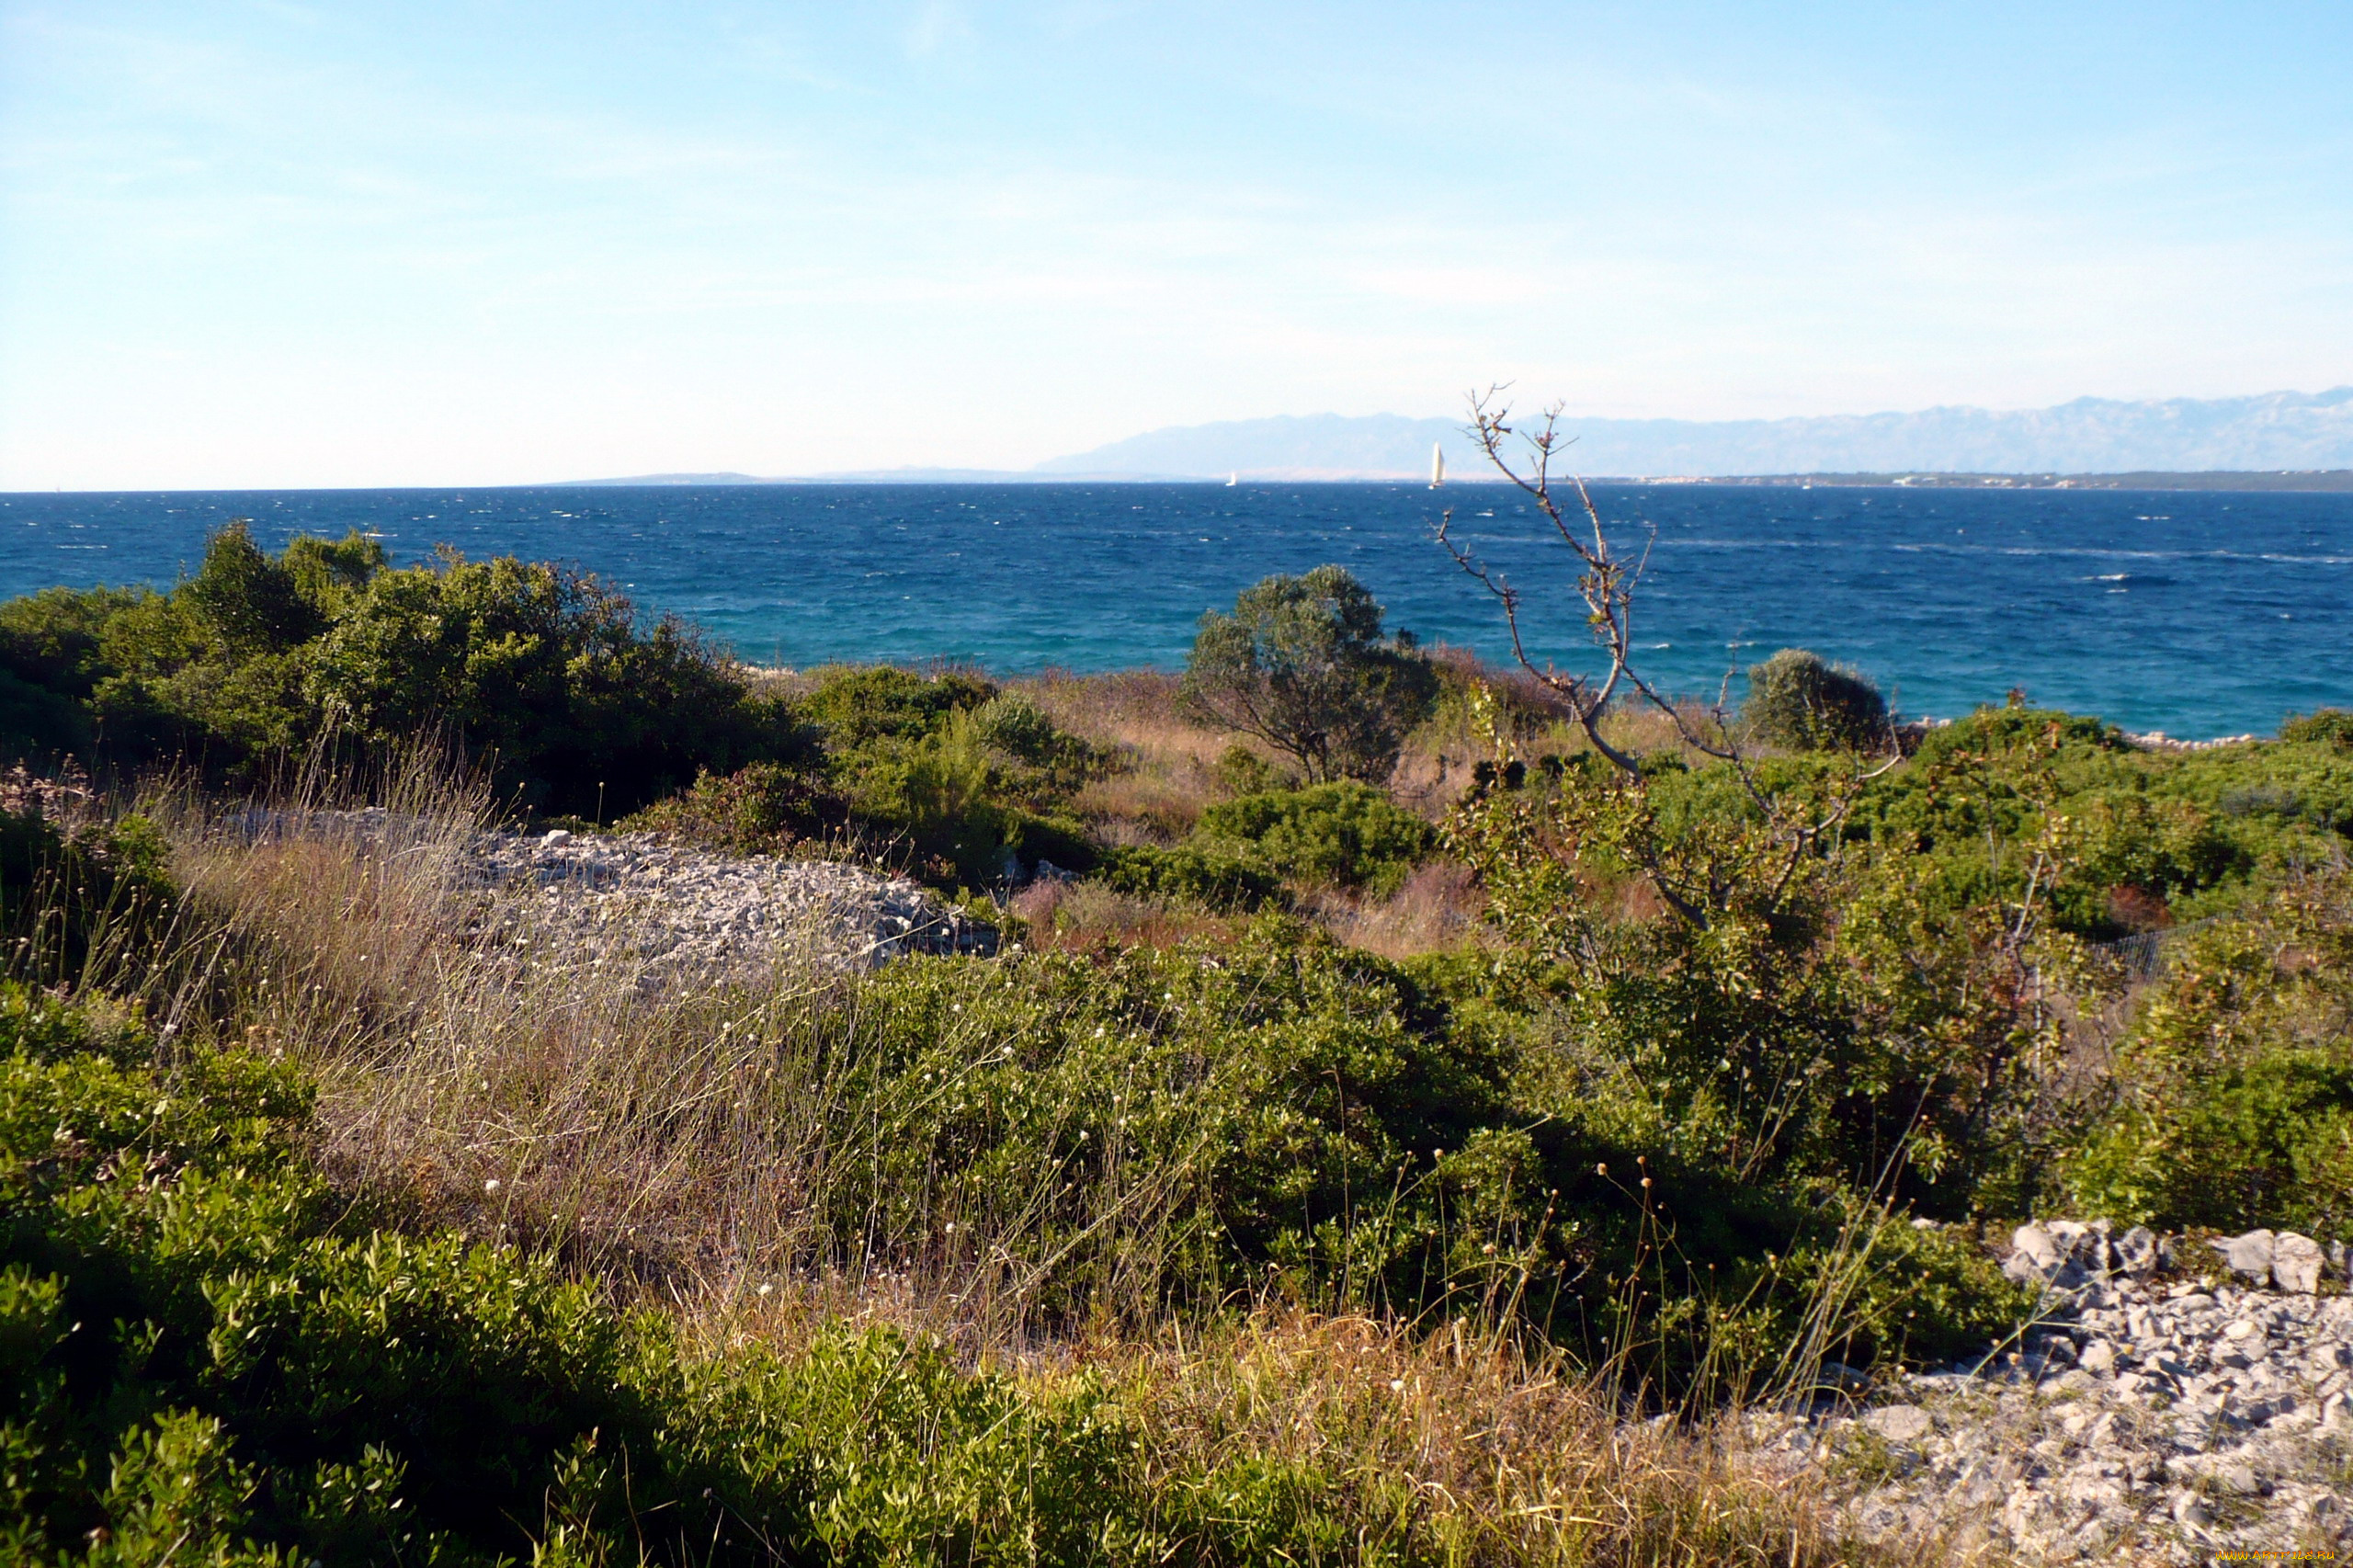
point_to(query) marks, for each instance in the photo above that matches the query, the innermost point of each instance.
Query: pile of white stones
(2137, 1421)
(679, 915)
(664, 915)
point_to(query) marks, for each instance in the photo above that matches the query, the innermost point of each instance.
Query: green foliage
(1241, 771)
(2231, 1099)
(2328, 726)
(1346, 833)
(1285, 1112)
(66, 900)
(245, 602)
(207, 1357)
(546, 673)
(1302, 664)
(764, 809)
(1223, 883)
(1798, 700)
(971, 781)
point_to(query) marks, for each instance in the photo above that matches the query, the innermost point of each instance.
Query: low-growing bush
(1346, 835)
(2230, 1102)
(2326, 726)
(1797, 700)
(765, 808)
(1186, 874)
(1167, 1126)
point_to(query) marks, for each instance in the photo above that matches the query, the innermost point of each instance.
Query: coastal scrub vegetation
(1400, 1072)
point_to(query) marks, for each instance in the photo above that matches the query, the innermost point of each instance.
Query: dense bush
(968, 782)
(1346, 835)
(1798, 700)
(207, 1357)
(765, 808)
(547, 674)
(1285, 1112)
(1302, 664)
(2230, 1102)
(2329, 726)
(1189, 875)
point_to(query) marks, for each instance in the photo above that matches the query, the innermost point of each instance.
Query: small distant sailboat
(1437, 466)
(1232, 479)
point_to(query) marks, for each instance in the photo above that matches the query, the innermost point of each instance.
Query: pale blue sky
(424, 242)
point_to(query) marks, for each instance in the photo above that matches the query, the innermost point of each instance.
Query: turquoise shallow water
(2196, 613)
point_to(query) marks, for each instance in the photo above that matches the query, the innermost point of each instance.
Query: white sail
(1232, 479)
(1437, 465)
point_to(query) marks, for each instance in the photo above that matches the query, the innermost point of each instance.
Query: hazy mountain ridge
(2273, 431)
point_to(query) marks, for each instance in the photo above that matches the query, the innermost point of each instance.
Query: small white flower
(766, 1289)
(491, 1185)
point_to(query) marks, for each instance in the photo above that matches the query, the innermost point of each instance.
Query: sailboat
(1232, 479)
(1437, 466)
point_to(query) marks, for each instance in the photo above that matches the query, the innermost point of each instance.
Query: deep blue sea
(2195, 613)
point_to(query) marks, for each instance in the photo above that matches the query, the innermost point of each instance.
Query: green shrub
(2231, 1099)
(1241, 771)
(544, 673)
(1187, 875)
(855, 706)
(207, 1357)
(765, 808)
(1170, 1127)
(968, 780)
(1796, 699)
(1345, 833)
(1302, 664)
(2325, 726)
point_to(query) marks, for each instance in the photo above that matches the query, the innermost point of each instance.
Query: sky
(265, 242)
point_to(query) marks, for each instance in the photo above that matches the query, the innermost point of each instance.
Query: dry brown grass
(1505, 1456)
(1078, 916)
(1473, 1447)
(1439, 908)
(1166, 768)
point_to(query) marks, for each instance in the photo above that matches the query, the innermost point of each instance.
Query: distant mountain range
(2277, 431)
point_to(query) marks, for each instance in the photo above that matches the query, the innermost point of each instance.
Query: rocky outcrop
(2138, 1421)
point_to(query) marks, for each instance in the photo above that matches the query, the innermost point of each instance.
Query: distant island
(2276, 441)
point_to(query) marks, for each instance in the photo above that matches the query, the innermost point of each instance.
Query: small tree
(1302, 666)
(1796, 699)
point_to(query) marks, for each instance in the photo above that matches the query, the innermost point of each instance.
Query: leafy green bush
(1302, 664)
(546, 673)
(205, 1357)
(969, 779)
(1188, 875)
(1796, 699)
(1280, 1110)
(1345, 833)
(2327, 726)
(2232, 1098)
(65, 901)
(765, 808)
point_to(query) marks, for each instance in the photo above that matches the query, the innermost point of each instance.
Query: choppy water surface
(2196, 613)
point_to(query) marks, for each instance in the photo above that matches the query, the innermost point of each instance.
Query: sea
(2196, 614)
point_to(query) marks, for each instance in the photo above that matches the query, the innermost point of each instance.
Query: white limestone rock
(2296, 1263)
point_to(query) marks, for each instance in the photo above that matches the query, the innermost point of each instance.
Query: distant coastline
(2327, 481)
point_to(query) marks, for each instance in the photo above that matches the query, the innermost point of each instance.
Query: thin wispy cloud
(371, 243)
